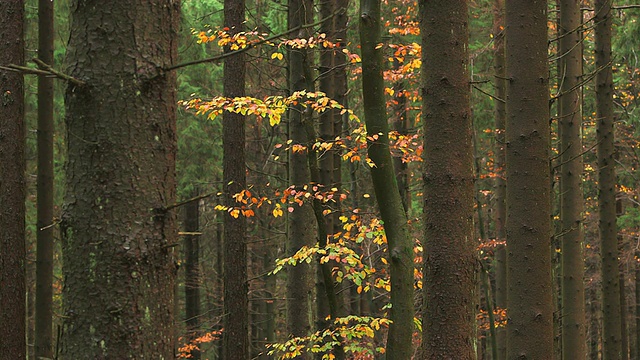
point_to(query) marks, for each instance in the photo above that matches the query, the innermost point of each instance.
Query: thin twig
(490, 95)
(196, 198)
(46, 67)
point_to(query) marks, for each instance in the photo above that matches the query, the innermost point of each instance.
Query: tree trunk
(44, 256)
(499, 170)
(399, 124)
(636, 335)
(623, 319)
(449, 244)
(236, 302)
(611, 335)
(301, 228)
(528, 226)
(329, 175)
(192, 272)
(400, 245)
(117, 242)
(571, 198)
(12, 185)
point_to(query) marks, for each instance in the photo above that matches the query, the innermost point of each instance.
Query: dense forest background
(269, 179)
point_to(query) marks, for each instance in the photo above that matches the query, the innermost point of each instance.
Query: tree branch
(249, 46)
(44, 70)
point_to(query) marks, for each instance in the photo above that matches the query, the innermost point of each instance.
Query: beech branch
(250, 46)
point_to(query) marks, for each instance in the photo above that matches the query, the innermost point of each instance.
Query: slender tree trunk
(636, 335)
(44, 257)
(117, 242)
(219, 280)
(594, 324)
(399, 124)
(270, 312)
(571, 198)
(400, 246)
(449, 243)
(623, 319)
(611, 334)
(528, 225)
(236, 303)
(499, 170)
(329, 165)
(301, 228)
(12, 186)
(192, 271)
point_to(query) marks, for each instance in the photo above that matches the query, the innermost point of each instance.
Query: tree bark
(44, 256)
(236, 301)
(573, 316)
(302, 230)
(500, 184)
(399, 242)
(117, 240)
(449, 244)
(528, 225)
(611, 334)
(12, 185)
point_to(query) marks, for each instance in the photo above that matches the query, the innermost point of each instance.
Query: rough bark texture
(528, 226)
(44, 257)
(302, 230)
(499, 169)
(611, 335)
(400, 245)
(573, 317)
(449, 244)
(117, 242)
(236, 303)
(192, 271)
(12, 185)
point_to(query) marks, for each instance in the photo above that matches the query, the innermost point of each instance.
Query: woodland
(328, 179)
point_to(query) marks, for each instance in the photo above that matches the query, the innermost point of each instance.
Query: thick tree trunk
(117, 244)
(528, 226)
(500, 184)
(611, 335)
(236, 302)
(192, 271)
(44, 257)
(449, 243)
(302, 230)
(12, 185)
(571, 198)
(400, 246)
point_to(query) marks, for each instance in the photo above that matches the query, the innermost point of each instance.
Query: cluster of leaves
(184, 351)
(499, 318)
(354, 333)
(271, 107)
